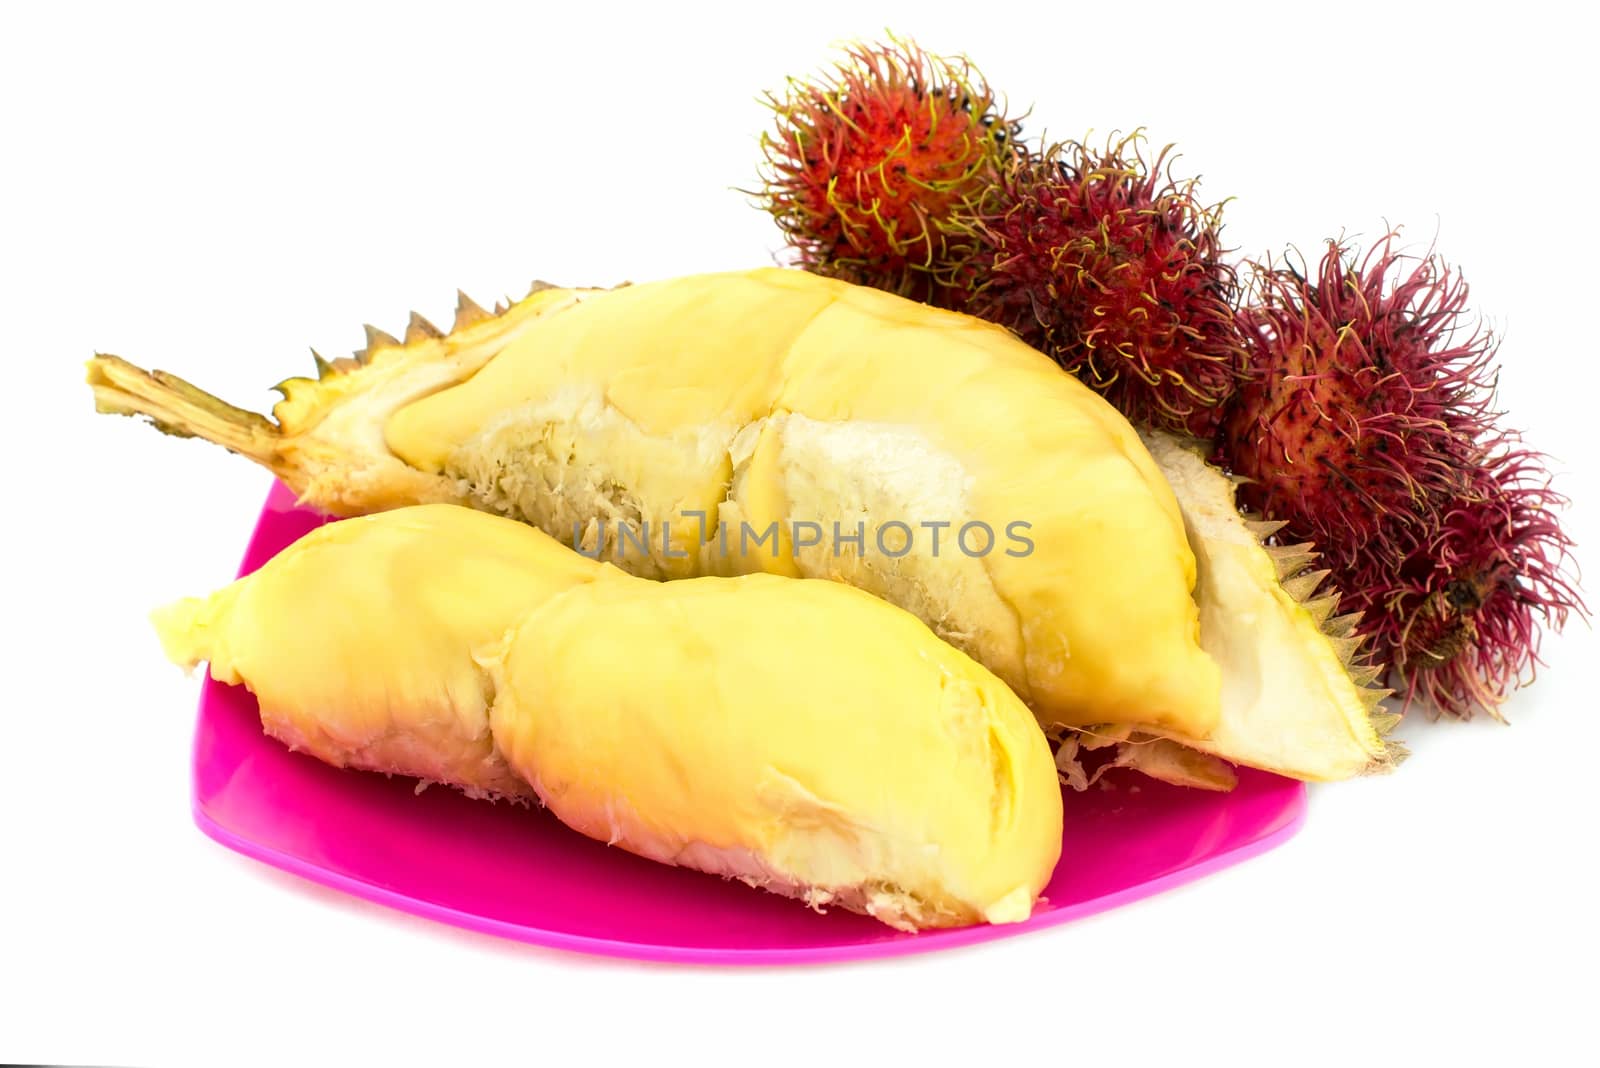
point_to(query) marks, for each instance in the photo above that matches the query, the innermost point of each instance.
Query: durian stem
(178, 408)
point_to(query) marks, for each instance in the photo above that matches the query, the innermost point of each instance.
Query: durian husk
(325, 439)
(1154, 757)
(1297, 693)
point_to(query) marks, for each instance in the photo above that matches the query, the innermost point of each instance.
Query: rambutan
(1115, 269)
(1368, 428)
(867, 164)
(1367, 400)
(1462, 625)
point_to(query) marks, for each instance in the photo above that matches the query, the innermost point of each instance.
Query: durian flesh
(802, 736)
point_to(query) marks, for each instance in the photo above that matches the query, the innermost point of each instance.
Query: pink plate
(518, 873)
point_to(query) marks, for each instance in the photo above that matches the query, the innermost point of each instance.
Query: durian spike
(1365, 675)
(377, 339)
(1322, 608)
(1262, 528)
(468, 312)
(1345, 647)
(1303, 585)
(1342, 626)
(419, 329)
(1385, 721)
(1290, 560)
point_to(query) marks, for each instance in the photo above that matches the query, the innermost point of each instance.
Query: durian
(801, 736)
(773, 401)
(778, 401)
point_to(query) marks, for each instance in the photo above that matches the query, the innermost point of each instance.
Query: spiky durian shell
(1104, 261)
(1298, 695)
(867, 163)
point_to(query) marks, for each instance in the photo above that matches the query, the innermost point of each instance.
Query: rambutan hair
(1463, 625)
(1369, 428)
(868, 162)
(1110, 265)
(1368, 395)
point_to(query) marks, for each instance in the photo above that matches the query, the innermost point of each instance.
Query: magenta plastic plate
(518, 873)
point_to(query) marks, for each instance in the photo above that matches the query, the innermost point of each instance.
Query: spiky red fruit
(1462, 626)
(1367, 400)
(867, 164)
(1368, 428)
(1116, 270)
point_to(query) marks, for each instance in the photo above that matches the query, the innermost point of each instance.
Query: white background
(213, 191)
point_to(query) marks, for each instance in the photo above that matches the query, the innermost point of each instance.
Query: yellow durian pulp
(802, 736)
(357, 640)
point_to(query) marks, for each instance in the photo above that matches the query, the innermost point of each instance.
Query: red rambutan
(1367, 398)
(867, 164)
(1115, 270)
(1462, 625)
(1368, 429)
